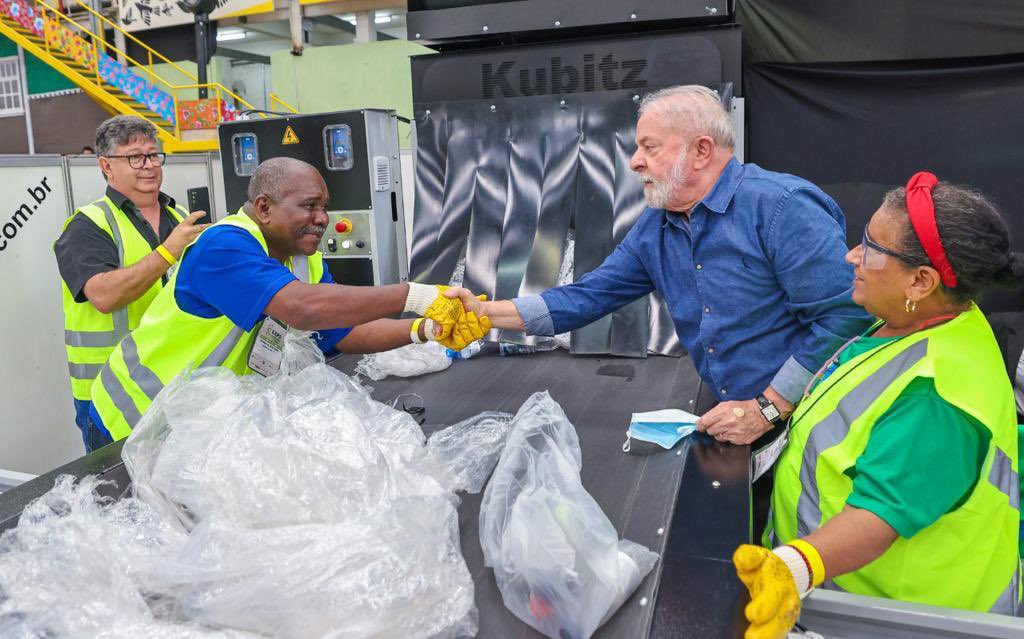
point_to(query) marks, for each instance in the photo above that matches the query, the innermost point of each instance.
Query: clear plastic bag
(468, 451)
(558, 561)
(78, 565)
(407, 361)
(288, 506)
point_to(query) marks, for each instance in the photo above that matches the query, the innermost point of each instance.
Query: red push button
(344, 226)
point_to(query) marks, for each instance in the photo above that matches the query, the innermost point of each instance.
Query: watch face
(770, 412)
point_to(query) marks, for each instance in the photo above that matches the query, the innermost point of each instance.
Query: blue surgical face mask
(662, 427)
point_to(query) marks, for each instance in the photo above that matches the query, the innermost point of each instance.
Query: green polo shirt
(922, 459)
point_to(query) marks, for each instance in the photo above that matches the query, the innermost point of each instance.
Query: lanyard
(821, 374)
(835, 356)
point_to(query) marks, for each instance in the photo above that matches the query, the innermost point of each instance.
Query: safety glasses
(873, 255)
(138, 160)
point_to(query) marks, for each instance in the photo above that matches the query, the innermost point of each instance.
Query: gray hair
(273, 178)
(974, 235)
(694, 109)
(120, 130)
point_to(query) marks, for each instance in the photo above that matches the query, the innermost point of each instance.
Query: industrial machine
(357, 154)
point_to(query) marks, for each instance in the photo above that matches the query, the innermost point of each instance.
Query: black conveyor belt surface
(665, 500)
(690, 504)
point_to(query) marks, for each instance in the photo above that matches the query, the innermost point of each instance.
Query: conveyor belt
(691, 505)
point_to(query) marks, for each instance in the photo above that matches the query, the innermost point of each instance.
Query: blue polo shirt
(755, 281)
(227, 273)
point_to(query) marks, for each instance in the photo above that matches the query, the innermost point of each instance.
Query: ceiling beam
(235, 54)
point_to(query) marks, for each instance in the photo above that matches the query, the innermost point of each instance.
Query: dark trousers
(92, 437)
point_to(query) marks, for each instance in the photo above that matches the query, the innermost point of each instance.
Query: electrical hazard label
(289, 136)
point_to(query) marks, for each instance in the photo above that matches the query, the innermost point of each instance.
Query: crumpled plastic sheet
(408, 361)
(79, 565)
(557, 559)
(291, 506)
(468, 451)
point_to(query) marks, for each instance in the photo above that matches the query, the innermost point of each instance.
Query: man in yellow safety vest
(114, 254)
(247, 277)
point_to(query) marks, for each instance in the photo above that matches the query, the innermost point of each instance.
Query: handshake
(450, 322)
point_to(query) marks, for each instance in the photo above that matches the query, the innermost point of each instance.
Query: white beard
(660, 193)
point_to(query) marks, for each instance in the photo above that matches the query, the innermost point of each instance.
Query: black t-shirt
(84, 249)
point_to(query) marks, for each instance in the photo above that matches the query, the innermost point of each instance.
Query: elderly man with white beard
(749, 262)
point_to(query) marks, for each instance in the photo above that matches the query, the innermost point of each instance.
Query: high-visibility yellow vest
(968, 558)
(170, 340)
(89, 335)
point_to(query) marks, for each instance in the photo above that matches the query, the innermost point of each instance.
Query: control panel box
(357, 154)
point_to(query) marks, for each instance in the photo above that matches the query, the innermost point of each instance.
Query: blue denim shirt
(755, 282)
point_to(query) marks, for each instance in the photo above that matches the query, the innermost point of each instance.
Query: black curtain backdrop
(797, 31)
(858, 129)
(857, 96)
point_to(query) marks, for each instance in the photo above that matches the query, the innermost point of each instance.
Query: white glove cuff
(420, 297)
(797, 567)
(429, 326)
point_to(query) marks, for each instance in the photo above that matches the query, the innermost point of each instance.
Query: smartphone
(199, 200)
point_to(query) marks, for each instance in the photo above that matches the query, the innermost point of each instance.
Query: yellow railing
(98, 43)
(276, 100)
(150, 52)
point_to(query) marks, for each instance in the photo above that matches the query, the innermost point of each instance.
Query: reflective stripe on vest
(120, 316)
(170, 340)
(88, 347)
(835, 427)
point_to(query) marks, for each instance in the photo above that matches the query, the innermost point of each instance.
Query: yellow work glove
(467, 330)
(774, 601)
(427, 300)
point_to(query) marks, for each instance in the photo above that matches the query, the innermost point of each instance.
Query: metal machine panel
(439, 20)
(504, 168)
(356, 152)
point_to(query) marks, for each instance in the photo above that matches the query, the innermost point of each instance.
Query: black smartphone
(199, 200)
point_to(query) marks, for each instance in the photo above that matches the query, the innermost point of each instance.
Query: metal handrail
(96, 39)
(217, 86)
(150, 50)
(173, 88)
(273, 98)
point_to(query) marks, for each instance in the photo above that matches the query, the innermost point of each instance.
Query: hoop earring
(910, 306)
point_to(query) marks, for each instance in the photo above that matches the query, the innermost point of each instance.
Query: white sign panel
(139, 15)
(37, 417)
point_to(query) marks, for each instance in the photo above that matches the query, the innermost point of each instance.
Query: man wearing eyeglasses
(114, 254)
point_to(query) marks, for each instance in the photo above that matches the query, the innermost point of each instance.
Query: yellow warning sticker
(289, 136)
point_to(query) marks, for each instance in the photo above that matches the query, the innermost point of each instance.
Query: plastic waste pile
(291, 506)
(408, 361)
(557, 559)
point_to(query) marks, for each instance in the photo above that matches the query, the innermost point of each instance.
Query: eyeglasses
(873, 255)
(138, 160)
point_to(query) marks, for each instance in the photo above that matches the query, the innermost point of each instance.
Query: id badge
(765, 458)
(267, 350)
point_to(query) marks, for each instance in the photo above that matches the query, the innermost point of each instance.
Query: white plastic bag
(468, 451)
(557, 559)
(407, 361)
(288, 506)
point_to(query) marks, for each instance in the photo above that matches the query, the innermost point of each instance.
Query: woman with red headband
(900, 476)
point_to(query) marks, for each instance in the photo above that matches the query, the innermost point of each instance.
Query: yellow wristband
(415, 332)
(814, 558)
(164, 253)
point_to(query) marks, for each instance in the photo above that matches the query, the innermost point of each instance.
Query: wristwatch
(769, 410)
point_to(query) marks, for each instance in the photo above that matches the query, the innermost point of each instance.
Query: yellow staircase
(74, 51)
